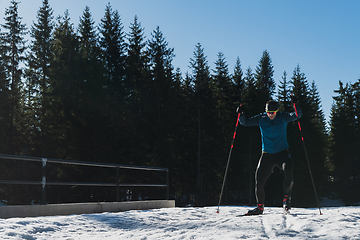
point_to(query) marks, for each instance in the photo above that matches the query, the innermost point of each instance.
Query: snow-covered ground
(191, 223)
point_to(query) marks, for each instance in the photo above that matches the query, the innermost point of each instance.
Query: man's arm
(243, 120)
(253, 121)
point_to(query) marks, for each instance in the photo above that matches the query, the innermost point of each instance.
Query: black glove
(293, 99)
(240, 109)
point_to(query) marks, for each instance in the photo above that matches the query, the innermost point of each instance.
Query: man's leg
(263, 172)
(288, 183)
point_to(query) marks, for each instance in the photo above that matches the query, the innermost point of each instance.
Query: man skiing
(275, 150)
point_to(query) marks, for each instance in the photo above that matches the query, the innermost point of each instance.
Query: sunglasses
(272, 112)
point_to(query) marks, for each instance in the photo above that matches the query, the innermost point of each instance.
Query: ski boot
(256, 211)
(287, 204)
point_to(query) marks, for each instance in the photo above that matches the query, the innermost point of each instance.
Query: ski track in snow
(190, 223)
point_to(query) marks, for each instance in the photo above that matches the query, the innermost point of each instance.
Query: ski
(243, 215)
(285, 212)
(247, 214)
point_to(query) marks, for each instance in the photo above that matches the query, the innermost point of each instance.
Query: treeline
(345, 142)
(94, 92)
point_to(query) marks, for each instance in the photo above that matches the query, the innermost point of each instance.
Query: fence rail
(117, 184)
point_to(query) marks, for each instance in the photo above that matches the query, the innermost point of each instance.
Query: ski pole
(307, 159)
(227, 165)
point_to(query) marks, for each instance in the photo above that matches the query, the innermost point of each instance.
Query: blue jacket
(273, 132)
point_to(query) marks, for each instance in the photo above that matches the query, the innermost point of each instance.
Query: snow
(191, 223)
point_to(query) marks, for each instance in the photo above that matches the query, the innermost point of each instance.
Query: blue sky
(322, 36)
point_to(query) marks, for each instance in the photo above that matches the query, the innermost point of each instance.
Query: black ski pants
(267, 162)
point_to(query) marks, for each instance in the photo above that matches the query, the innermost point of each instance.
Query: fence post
(117, 184)
(43, 193)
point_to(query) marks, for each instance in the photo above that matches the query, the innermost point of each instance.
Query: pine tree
(186, 164)
(88, 36)
(65, 89)
(312, 126)
(300, 89)
(356, 161)
(223, 94)
(344, 144)
(115, 92)
(94, 127)
(137, 64)
(284, 94)
(318, 114)
(38, 69)
(250, 93)
(319, 138)
(162, 91)
(13, 50)
(203, 104)
(264, 79)
(251, 148)
(4, 97)
(238, 80)
(181, 140)
(31, 109)
(235, 182)
(113, 46)
(138, 81)
(356, 91)
(14, 106)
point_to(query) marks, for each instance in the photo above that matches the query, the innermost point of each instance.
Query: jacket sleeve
(253, 121)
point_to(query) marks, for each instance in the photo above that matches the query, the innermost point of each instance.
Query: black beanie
(272, 106)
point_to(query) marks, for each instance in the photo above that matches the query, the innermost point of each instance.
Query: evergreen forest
(93, 92)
